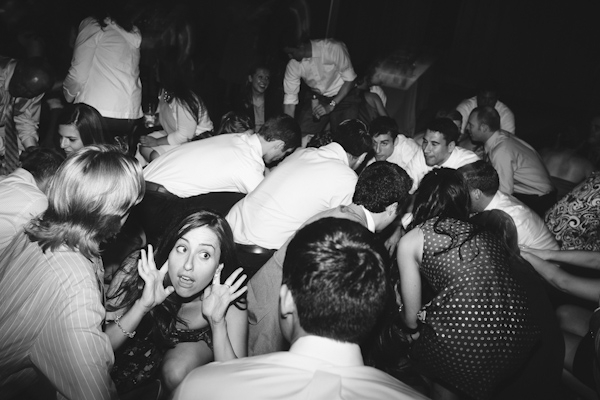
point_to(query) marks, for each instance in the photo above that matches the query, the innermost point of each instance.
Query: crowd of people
(300, 247)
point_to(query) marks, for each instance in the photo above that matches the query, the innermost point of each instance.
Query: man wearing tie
(22, 86)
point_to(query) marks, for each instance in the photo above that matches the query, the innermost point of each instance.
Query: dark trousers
(158, 211)
(347, 109)
(128, 130)
(539, 204)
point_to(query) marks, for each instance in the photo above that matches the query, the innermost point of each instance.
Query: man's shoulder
(461, 157)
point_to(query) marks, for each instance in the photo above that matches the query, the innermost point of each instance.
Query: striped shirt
(51, 316)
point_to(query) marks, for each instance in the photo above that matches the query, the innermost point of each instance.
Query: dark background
(544, 54)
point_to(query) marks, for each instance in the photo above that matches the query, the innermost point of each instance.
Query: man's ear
(250, 78)
(360, 159)
(286, 301)
(451, 146)
(476, 194)
(392, 209)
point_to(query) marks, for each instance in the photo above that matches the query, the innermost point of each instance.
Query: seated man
(389, 145)
(381, 193)
(439, 150)
(487, 96)
(23, 192)
(333, 293)
(483, 182)
(309, 181)
(325, 66)
(212, 173)
(520, 168)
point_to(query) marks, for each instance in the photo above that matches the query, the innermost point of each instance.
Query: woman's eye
(181, 249)
(204, 255)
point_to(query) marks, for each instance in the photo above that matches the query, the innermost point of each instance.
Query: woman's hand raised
(217, 297)
(154, 291)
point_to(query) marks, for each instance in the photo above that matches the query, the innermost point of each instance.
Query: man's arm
(502, 161)
(73, 352)
(291, 87)
(83, 57)
(27, 117)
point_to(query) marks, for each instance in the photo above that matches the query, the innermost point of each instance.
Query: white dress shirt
(417, 168)
(531, 230)
(325, 72)
(507, 118)
(105, 70)
(225, 163)
(520, 168)
(313, 368)
(21, 201)
(307, 182)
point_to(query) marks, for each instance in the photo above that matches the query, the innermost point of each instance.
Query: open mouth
(185, 281)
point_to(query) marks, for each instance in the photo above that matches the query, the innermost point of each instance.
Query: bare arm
(580, 258)
(585, 288)
(410, 253)
(289, 109)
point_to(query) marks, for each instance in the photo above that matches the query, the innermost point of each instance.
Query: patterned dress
(575, 219)
(477, 329)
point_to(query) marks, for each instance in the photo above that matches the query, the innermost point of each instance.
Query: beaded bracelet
(130, 335)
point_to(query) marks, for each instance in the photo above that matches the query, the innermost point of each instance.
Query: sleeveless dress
(477, 330)
(139, 359)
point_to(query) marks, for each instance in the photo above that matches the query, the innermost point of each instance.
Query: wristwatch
(332, 103)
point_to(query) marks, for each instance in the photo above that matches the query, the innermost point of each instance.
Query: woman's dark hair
(87, 120)
(165, 315)
(178, 87)
(443, 194)
(120, 12)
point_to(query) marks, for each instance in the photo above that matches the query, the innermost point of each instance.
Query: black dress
(478, 328)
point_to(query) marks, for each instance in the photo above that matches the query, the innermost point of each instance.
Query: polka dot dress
(478, 329)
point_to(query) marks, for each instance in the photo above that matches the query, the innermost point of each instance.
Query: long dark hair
(173, 81)
(443, 194)
(165, 315)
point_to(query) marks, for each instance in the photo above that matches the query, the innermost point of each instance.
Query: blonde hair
(88, 198)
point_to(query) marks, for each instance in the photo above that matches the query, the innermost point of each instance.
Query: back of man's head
(446, 127)
(335, 271)
(42, 164)
(32, 77)
(488, 116)
(384, 125)
(381, 184)
(284, 128)
(481, 175)
(353, 136)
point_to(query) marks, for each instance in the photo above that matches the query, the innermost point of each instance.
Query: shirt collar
(494, 203)
(491, 142)
(370, 220)
(329, 350)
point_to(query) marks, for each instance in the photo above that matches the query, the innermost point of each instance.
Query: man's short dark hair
(382, 126)
(489, 116)
(446, 127)
(381, 184)
(335, 270)
(42, 163)
(481, 175)
(353, 136)
(282, 127)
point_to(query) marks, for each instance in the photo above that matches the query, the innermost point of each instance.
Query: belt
(253, 249)
(155, 187)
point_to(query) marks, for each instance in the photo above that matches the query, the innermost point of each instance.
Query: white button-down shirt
(531, 230)
(314, 368)
(307, 182)
(325, 72)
